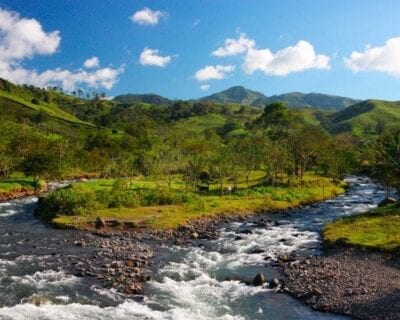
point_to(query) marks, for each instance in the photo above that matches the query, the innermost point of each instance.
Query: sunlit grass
(246, 202)
(378, 229)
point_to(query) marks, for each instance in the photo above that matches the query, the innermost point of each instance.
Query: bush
(81, 199)
(69, 201)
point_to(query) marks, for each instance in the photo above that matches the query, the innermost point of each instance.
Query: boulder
(100, 223)
(258, 280)
(274, 283)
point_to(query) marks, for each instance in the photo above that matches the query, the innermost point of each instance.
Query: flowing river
(190, 282)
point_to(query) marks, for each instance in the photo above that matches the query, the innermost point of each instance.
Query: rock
(246, 231)
(256, 251)
(258, 280)
(100, 223)
(274, 283)
(194, 235)
(283, 258)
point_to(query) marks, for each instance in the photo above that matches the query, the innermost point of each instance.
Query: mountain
(316, 100)
(367, 117)
(237, 94)
(241, 95)
(144, 98)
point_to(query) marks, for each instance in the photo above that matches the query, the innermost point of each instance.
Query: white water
(193, 284)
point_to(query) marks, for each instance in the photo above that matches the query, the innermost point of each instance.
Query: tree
(221, 166)
(386, 159)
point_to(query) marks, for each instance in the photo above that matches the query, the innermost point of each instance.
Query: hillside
(144, 98)
(367, 117)
(245, 96)
(237, 94)
(42, 101)
(317, 100)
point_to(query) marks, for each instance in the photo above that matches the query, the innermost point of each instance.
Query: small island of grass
(146, 203)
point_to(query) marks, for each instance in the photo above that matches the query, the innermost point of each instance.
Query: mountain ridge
(244, 96)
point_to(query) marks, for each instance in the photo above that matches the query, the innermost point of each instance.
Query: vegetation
(377, 229)
(162, 162)
(152, 203)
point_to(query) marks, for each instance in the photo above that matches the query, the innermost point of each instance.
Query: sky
(186, 49)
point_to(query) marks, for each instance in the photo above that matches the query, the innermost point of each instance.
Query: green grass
(50, 109)
(377, 229)
(198, 124)
(160, 217)
(365, 117)
(7, 186)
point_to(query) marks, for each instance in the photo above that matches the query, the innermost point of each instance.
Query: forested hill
(65, 134)
(245, 96)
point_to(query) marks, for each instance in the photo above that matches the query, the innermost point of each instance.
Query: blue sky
(178, 49)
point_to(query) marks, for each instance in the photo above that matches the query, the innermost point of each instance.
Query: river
(189, 283)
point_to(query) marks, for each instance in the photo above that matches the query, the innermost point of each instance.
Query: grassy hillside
(367, 117)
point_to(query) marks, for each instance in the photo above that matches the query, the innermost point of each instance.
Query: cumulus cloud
(22, 39)
(299, 57)
(214, 72)
(92, 62)
(234, 47)
(383, 59)
(69, 80)
(151, 57)
(148, 17)
(205, 87)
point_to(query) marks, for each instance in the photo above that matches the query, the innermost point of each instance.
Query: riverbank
(18, 188)
(351, 281)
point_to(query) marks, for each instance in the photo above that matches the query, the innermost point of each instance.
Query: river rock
(258, 280)
(274, 283)
(100, 223)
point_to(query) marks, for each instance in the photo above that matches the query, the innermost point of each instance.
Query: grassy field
(11, 185)
(149, 203)
(377, 229)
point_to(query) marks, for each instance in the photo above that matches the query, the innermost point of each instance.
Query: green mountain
(367, 117)
(237, 94)
(316, 100)
(245, 96)
(150, 98)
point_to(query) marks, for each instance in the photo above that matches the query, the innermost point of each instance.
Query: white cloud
(234, 47)
(214, 72)
(92, 62)
(22, 39)
(151, 57)
(148, 17)
(205, 87)
(295, 58)
(69, 80)
(384, 59)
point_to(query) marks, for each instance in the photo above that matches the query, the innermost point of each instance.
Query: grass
(377, 229)
(8, 186)
(51, 109)
(172, 215)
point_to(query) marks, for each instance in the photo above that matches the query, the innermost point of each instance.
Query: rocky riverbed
(363, 284)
